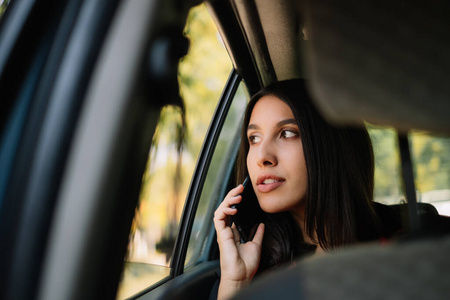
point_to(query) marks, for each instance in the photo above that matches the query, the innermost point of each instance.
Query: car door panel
(195, 283)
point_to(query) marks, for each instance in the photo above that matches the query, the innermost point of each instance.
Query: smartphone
(249, 214)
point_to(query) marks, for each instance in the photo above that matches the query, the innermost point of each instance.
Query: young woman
(314, 182)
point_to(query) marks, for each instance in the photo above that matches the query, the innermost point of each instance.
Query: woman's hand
(238, 261)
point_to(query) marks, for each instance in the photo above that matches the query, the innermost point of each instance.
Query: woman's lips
(268, 183)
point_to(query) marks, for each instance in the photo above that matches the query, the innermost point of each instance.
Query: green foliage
(387, 163)
(202, 75)
(430, 157)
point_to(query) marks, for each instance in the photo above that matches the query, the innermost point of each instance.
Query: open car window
(172, 160)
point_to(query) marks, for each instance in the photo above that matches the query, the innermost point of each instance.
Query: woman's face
(275, 159)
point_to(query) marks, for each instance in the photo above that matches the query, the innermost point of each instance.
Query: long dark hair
(340, 166)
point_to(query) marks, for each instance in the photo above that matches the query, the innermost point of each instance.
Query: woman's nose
(267, 154)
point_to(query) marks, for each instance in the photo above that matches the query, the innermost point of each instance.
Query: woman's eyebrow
(253, 127)
(287, 122)
(279, 124)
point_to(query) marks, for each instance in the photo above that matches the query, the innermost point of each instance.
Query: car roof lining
(273, 34)
(382, 61)
(371, 61)
(282, 29)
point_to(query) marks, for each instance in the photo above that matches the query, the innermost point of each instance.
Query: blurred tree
(202, 75)
(431, 157)
(387, 164)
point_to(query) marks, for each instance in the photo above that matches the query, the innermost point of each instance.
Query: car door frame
(73, 236)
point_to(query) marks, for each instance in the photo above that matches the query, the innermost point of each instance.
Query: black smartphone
(249, 213)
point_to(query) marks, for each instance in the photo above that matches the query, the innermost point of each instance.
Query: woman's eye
(288, 134)
(254, 139)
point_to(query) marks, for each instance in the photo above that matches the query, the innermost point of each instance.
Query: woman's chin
(270, 209)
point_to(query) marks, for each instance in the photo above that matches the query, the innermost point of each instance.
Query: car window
(430, 156)
(431, 162)
(3, 6)
(388, 188)
(202, 75)
(215, 186)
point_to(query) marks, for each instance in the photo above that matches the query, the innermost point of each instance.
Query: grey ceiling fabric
(386, 62)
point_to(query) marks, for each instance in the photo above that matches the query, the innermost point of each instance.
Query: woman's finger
(235, 191)
(226, 208)
(233, 196)
(230, 201)
(222, 215)
(259, 235)
(223, 212)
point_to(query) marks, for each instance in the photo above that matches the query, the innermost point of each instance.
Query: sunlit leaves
(430, 157)
(202, 75)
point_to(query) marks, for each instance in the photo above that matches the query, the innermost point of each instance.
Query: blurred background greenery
(431, 164)
(202, 75)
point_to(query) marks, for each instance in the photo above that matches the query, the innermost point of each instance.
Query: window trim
(201, 170)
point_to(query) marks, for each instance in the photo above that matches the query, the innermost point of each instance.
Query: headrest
(383, 61)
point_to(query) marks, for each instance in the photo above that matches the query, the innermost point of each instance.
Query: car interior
(86, 84)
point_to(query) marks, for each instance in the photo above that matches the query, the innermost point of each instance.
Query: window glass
(431, 161)
(202, 75)
(3, 5)
(430, 156)
(215, 187)
(388, 182)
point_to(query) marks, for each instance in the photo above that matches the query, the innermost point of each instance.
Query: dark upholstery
(406, 270)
